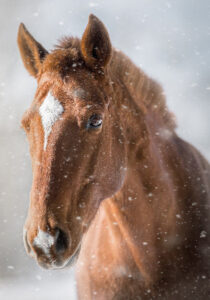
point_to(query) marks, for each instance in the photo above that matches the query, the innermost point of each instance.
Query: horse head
(76, 141)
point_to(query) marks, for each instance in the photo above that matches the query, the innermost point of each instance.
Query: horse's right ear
(31, 51)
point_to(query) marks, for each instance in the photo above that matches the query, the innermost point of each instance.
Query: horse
(115, 189)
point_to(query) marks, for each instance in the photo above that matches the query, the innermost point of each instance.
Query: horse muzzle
(51, 250)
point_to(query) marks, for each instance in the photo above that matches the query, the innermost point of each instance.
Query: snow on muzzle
(49, 249)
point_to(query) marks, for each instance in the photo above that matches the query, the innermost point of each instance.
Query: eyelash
(94, 122)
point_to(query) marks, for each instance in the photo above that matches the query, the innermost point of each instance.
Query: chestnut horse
(113, 184)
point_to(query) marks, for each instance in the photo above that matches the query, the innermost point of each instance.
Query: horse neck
(145, 206)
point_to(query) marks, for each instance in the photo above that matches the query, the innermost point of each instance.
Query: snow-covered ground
(169, 39)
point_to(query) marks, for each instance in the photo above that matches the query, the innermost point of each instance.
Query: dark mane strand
(67, 42)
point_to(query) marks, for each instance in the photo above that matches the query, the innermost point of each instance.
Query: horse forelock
(63, 62)
(68, 42)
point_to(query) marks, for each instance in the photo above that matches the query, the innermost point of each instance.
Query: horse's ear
(31, 51)
(95, 45)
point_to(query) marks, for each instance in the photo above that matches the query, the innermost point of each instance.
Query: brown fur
(31, 51)
(141, 193)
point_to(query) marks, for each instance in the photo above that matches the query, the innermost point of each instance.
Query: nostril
(61, 243)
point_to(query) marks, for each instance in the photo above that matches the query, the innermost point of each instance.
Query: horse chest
(106, 266)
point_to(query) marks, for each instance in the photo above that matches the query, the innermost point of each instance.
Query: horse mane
(143, 89)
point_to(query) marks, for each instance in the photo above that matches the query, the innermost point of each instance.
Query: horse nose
(61, 241)
(57, 242)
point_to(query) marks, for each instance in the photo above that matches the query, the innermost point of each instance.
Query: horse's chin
(60, 264)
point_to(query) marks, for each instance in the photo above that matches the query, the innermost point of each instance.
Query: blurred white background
(170, 40)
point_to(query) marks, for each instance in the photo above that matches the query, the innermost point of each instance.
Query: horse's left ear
(32, 52)
(95, 45)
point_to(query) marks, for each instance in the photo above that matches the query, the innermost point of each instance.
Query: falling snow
(172, 49)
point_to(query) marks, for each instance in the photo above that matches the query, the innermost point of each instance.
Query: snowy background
(170, 40)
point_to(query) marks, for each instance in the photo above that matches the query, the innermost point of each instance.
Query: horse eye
(95, 121)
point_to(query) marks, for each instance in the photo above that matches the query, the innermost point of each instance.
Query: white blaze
(50, 111)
